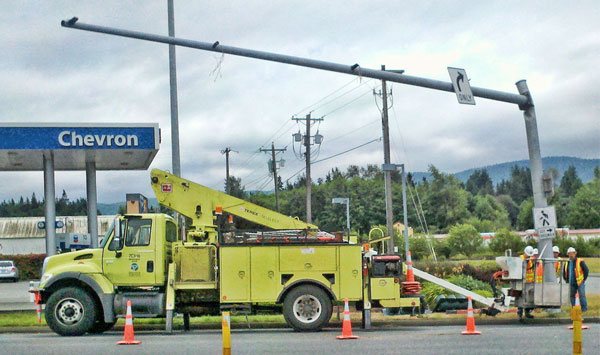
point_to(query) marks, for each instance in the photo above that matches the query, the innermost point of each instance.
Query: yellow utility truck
(145, 258)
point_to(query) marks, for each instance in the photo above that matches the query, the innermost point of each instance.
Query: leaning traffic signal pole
(523, 99)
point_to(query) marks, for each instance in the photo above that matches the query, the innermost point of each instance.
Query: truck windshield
(107, 235)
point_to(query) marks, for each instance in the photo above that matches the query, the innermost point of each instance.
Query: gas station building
(68, 147)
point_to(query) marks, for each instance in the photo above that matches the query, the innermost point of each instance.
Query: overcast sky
(53, 74)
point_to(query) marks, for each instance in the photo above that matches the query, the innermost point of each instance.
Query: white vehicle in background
(8, 270)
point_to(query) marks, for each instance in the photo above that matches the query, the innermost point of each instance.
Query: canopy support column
(92, 202)
(49, 203)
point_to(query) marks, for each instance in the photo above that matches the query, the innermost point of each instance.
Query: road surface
(515, 339)
(14, 296)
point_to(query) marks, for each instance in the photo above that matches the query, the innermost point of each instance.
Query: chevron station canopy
(67, 146)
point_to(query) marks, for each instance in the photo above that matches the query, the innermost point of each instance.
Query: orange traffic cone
(470, 320)
(577, 304)
(38, 306)
(410, 286)
(346, 324)
(128, 336)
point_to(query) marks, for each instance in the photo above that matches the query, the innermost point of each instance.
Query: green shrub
(30, 265)
(505, 239)
(442, 269)
(464, 239)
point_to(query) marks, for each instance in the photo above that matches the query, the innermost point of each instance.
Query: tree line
(32, 207)
(442, 200)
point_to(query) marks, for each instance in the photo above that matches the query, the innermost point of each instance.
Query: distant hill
(499, 172)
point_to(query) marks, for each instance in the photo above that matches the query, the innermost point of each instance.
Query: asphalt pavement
(515, 339)
(14, 296)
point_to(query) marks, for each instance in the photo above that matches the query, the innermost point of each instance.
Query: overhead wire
(333, 156)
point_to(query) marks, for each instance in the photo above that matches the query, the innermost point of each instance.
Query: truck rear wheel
(307, 308)
(71, 311)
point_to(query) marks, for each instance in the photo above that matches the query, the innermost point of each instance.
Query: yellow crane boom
(199, 203)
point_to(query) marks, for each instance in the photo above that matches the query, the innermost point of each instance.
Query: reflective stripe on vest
(578, 272)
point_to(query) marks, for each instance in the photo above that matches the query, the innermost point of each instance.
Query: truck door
(130, 259)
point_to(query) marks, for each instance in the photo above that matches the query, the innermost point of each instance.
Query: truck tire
(101, 327)
(307, 308)
(71, 311)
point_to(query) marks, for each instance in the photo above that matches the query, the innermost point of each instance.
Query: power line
(348, 150)
(347, 103)
(326, 96)
(333, 156)
(352, 131)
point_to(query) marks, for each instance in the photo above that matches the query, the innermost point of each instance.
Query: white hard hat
(529, 250)
(536, 251)
(555, 249)
(571, 250)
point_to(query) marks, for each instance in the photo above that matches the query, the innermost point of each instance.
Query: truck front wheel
(71, 311)
(307, 308)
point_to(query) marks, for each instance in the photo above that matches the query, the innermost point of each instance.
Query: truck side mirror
(117, 243)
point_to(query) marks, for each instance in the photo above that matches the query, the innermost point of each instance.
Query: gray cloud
(55, 74)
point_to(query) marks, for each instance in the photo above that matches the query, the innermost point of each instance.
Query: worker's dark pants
(581, 289)
(520, 311)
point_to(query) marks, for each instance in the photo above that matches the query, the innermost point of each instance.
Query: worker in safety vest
(527, 258)
(576, 273)
(556, 252)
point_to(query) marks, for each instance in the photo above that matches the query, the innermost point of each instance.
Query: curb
(377, 325)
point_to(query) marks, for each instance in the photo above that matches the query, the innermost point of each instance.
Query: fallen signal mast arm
(454, 288)
(199, 203)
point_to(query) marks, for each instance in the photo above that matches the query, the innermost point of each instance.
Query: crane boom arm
(198, 202)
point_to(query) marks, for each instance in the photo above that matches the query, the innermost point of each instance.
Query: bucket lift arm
(199, 202)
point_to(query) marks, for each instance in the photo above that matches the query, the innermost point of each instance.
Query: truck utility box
(262, 273)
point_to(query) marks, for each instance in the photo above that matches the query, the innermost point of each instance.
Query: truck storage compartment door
(350, 280)
(264, 270)
(235, 274)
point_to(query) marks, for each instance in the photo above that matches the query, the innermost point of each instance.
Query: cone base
(583, 327)
(129, 342)
(345, 337)
(472, 332)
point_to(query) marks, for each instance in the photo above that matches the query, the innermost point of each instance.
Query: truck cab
(85, 290)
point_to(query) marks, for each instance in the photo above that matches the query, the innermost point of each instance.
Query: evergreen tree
(480, 183)
(570, 182)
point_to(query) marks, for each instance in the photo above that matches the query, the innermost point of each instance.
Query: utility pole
(387, 173)
(175, 159)
(273, 168)
(226, 151)
(306, 139)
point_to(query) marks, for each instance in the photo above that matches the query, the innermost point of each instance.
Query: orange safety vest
(557, 266)
(529, 276)
(578, 271)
